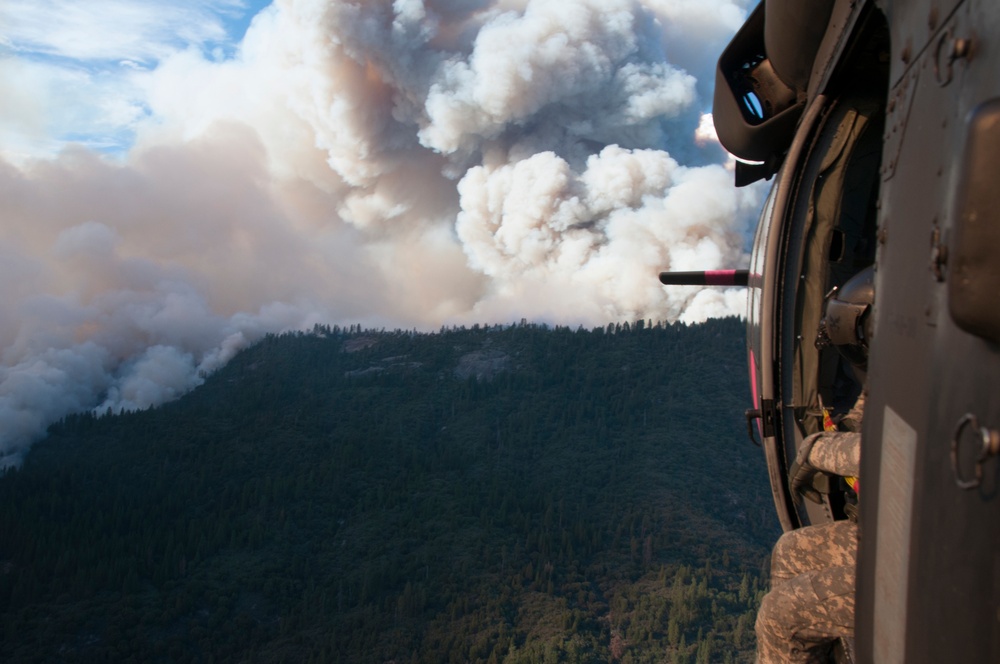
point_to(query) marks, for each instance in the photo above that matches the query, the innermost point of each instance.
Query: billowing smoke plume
(410, 163)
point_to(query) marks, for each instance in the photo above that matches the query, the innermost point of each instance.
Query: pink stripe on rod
(720, 277)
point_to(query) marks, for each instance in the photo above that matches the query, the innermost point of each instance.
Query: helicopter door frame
(764, 283)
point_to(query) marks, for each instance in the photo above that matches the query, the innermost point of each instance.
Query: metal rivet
(960, 48)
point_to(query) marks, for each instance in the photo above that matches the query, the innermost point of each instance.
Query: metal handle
(990, 447)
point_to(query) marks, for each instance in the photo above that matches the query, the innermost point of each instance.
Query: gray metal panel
(892, 538)
(914, 25)
(923, 367)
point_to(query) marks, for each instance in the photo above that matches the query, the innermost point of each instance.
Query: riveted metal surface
(974, 290)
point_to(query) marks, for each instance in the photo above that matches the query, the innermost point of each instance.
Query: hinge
(768, 416)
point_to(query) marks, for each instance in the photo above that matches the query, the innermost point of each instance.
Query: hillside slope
(515, 494)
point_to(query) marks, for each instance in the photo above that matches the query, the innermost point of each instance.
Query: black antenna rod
(706, 278)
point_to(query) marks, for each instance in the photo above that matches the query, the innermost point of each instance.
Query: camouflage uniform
(835, 452)
(811, 602)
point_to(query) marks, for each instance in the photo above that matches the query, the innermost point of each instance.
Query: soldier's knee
(782, 555)
(783, 546)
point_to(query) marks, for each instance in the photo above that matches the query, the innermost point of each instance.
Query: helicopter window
(752, 106)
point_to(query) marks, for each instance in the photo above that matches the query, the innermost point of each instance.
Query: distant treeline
(495, 494)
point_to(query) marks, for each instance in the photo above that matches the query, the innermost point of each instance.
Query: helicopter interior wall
(831, 237)
(838, 244)
(833, 240)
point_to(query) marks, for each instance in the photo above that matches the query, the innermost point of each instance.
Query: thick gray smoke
(410, 163)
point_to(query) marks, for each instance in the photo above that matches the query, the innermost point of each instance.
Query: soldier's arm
(836, 452)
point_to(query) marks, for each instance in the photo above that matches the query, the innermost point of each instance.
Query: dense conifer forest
(494, 494)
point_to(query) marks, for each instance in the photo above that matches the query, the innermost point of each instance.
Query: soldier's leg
(813, 547)
(811, 601)
(799, 619)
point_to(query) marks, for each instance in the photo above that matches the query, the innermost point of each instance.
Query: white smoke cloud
(603, 233)
(589, 70)
(410, 163)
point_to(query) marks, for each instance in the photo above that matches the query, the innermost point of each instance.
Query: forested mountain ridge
(501, 494)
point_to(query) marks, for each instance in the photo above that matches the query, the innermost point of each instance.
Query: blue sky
(74, 71)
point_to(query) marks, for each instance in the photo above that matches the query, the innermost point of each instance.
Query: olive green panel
(974, 288)
(835, 203)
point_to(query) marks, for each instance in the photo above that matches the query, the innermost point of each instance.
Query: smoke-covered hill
(404, 163)
(517, 494)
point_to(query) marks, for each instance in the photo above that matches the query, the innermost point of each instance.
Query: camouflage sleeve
(837, 452)
(811, 601)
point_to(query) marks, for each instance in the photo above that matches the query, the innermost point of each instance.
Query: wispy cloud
(72, 72)
(112, 30)
(48, 105)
